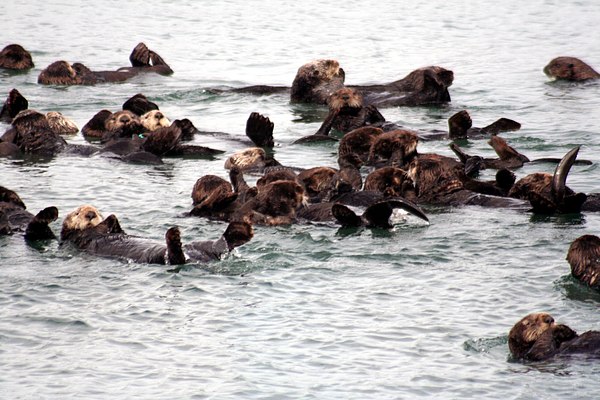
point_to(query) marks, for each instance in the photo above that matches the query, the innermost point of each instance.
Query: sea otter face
(61, 124)
(154, 119)
(570, 68)
(398, 143)
(281, 198)
(121, 120)
(316, 81)
(15, 57)
(525, 332)
(345, 98)
(81, 218)
(253, 157)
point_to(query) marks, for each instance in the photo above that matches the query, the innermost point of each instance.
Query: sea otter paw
(140, 56)
(260, 130)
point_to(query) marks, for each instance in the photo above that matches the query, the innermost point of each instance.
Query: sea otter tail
(38, 228)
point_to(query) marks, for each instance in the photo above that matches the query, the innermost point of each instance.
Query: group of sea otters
(397, 175)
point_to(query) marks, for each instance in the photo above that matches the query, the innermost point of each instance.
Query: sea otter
(14, 218)
(142, 60)
(536, 337)
(346, 113)
(394, 148)
(15, 57)
(570, 69)
(32, 133)
(154, 119)
(316, 80)
(460, 126)
(87, 230)
(583, 257)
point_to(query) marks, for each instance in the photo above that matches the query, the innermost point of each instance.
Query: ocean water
(301, 311)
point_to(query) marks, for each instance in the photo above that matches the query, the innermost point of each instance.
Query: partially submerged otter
(15, 57)
(536, 337)
(315, 81)
(584, 258)
(87, 230)
(14, 217)
(570, 69)
(142, 60)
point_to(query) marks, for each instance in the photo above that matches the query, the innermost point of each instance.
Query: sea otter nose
(90, 215)
(346, 97)
(125, 120)
(158, 116)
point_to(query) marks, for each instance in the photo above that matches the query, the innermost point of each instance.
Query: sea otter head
(397, 146)
(61, 124)
(524, 333)
(210, 190)
(316, 81)
(154, 119)
(281, 198)
(123, 121)
(570, 68)
(583, 256)
(81, 218)
(345, 98)
(15, 57)
(62, 73)
(9, 196)
(253, 157)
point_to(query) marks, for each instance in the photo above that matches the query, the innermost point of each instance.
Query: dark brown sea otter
(15, 57)
(536, 337)
(85, 229)
(142, 60)
(14, 218)
(584, 258)
(570, 69)
(315, 81)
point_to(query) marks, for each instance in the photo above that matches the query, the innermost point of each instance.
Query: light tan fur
(154, 119)
(82, 217)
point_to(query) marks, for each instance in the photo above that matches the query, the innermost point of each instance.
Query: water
(301, 311)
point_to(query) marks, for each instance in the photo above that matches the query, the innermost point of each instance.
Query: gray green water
(301, 311)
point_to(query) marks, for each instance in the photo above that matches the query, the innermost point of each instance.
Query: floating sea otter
(86, 230)
(536, 337)
(142, 60)
(15, 57)
(570, 69)
(14, 218)
(315, 81)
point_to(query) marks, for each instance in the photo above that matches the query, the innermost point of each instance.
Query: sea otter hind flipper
(238, 233)
(315, 139)
(14, 103)
(259, 129)
(409, 207)
(346, 216)
(559, 179)
(139, 105)
(501, 125)
(140, 56)
(38, 228)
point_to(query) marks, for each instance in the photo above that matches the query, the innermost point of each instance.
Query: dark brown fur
(394, 148)
(570, 69)
(584, 258)
(15, 57)
(142, 60)
(14, 103)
